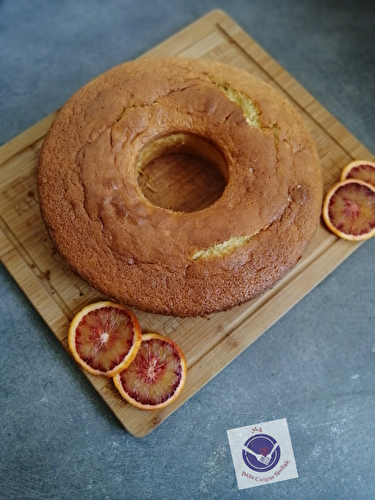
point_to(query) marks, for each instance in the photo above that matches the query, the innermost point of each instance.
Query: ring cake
(156, 259)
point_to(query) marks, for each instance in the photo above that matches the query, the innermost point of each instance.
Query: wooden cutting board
(208, 343)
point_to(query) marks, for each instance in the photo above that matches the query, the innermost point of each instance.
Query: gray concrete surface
(315, 367)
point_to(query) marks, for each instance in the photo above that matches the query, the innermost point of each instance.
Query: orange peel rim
(140, 406)
(325, 211)
(137, 338)
(353, 164)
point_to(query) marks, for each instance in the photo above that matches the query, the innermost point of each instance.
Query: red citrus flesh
(361, 170)
(104, 338)
(156, 376)
(349, 210)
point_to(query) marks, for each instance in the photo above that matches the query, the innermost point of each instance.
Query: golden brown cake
(155, 259)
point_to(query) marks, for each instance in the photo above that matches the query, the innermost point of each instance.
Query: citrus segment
(156, 376)
(104, 338)
(361, 170)
(349, 210)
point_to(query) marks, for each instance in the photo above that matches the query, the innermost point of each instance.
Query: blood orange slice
(156, 376)
(104, 338)
(361, 170)
(349, 210)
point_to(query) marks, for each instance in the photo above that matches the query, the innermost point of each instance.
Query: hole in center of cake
(182, 172)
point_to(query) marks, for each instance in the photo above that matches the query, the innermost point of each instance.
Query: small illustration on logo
(261, 453)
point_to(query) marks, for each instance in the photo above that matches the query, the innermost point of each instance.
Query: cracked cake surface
(155, 259)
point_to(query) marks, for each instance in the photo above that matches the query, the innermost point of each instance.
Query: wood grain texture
(208, 343)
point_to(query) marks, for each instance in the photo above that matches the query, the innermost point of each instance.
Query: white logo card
(262, 453)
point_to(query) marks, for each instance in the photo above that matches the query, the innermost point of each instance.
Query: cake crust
(158, 260)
